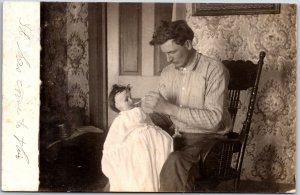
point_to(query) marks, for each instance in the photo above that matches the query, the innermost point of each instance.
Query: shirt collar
(191, 66)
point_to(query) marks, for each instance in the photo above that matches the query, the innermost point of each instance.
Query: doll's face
(123, 100)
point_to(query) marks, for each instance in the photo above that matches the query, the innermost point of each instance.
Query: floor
(249, 186)
(245, 187)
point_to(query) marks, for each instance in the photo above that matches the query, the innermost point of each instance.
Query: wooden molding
(130, 39)
(97, 64)
(220, 9)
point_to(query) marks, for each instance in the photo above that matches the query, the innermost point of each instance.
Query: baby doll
(135, 149)
(120, 98)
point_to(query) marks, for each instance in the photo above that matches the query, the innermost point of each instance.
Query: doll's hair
(115, 90)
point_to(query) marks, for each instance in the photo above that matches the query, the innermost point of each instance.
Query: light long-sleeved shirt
(200, 92)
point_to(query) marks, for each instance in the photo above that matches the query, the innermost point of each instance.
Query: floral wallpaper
(270, 154)
(64, 64)
(77, 55)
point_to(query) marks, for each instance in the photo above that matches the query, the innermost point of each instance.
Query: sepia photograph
(162, 97)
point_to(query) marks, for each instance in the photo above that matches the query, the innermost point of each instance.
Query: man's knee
(171, 163)
(177, 164)
(175, 172)
(174, 158)
(176, 155)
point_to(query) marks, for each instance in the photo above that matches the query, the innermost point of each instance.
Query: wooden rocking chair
(244, 75)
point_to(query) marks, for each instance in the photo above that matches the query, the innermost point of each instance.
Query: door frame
(97, 31)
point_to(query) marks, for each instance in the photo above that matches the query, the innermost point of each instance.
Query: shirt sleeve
(210, 116)
(162, 88)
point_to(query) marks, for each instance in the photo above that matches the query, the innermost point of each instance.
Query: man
(193, 92)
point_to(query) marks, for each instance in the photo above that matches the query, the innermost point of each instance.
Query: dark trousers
(182, 166)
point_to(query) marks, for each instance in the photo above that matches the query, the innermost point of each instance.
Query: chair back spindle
(246, 126)
(244, 75)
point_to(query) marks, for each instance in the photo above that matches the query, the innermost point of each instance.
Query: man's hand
(155, 102)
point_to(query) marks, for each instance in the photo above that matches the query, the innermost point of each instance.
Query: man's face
(123, 100)
(176, 54)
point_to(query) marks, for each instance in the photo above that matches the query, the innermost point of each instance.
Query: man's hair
(115, 90)
(177, 30)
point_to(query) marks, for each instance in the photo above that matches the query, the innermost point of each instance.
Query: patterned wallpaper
(64, 65)
(77, 55)
(270, 154)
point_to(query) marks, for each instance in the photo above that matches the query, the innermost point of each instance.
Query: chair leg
(236, 184)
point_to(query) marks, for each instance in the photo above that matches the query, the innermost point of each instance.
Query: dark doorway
(72, 135)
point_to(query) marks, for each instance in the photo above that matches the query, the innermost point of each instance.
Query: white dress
(134, 152)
